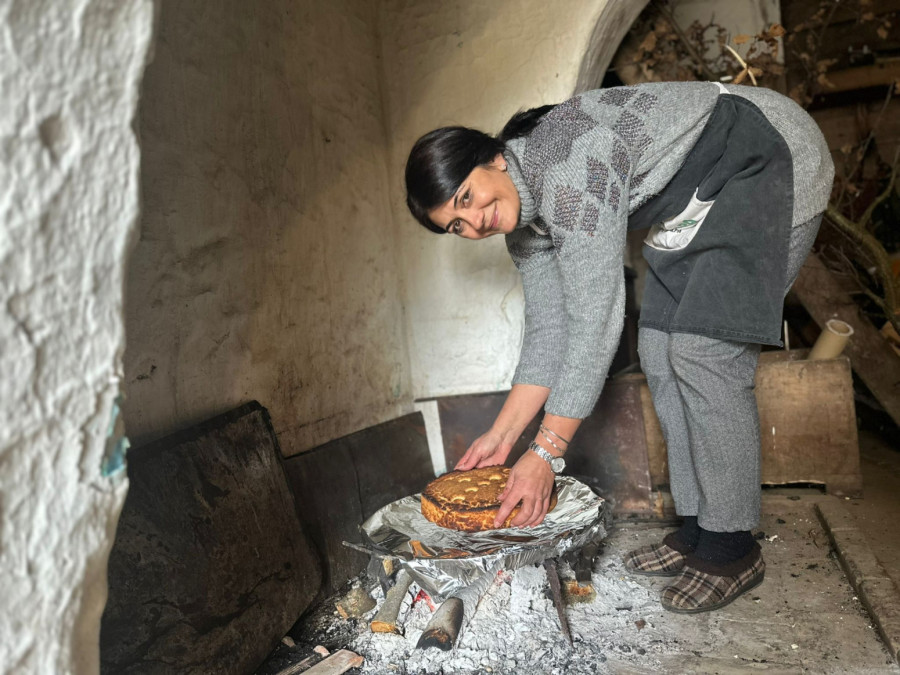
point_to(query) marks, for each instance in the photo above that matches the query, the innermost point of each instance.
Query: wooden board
(464, 418)
(863, 77)
(327, 490)
(608, 451)
(340, 484)
(211, 565)
(657, 456)
(339, 662)
(611, 448)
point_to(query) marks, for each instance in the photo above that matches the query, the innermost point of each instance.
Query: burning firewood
(444, 627)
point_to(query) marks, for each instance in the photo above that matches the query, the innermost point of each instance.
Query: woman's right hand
(489, 449)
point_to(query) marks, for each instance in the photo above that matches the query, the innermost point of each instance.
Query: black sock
(689, 534)
(723, 547)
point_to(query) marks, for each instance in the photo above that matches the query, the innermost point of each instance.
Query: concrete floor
(878, 512)
(803, 618)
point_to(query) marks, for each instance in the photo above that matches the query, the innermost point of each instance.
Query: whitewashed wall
(472, 63)
(266, 267)
(69, 83)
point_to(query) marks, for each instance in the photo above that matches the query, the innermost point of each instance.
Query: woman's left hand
(531, 482)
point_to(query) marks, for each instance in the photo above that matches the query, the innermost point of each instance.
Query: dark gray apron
(728, 281)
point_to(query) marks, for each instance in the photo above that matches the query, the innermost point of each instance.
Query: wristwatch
(557, 464)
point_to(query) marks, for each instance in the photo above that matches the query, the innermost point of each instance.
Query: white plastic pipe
(831, 341)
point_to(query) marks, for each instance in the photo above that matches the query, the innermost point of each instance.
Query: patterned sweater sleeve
(585, 202)
(544, 340)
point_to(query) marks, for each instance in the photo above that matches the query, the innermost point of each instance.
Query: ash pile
(805, 617)
(606, 623)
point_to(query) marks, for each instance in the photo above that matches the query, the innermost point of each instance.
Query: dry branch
(869, 244)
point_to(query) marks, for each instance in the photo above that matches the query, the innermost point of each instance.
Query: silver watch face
(557, 464)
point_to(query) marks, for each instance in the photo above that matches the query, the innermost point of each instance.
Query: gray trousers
(703, 392)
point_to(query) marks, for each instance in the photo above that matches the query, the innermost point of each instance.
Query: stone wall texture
(473, 63)
(266, 267)
(69, 84)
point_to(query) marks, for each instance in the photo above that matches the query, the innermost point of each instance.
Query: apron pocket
(676, 233)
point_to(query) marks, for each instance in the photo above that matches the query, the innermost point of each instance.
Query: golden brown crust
(468, 501)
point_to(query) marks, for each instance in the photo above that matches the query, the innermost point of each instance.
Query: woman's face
(486, 203)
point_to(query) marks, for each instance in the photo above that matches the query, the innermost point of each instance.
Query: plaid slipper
(658, 560)
(704, 586)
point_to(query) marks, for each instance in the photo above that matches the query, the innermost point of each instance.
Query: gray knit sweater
(588, 164)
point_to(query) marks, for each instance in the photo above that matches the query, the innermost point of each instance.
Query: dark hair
(440, 161)
(523, 122)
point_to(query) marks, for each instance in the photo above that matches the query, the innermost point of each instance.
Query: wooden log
(385, 620)
(356, 603)
(807, 423)
(457, 610)
(870, 354)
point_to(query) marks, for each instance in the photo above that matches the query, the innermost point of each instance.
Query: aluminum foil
(444, 561)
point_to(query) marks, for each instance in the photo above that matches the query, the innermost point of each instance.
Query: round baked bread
(468, 501)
